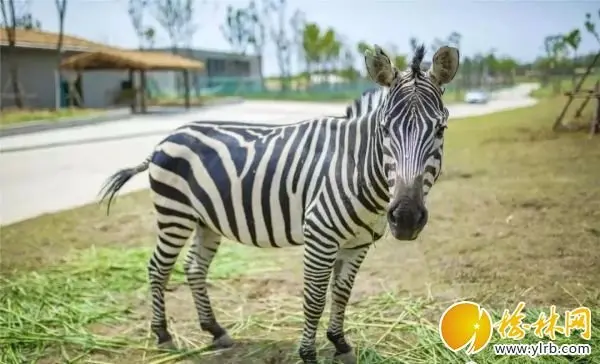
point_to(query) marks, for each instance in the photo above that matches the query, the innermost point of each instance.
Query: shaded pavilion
(142, 62)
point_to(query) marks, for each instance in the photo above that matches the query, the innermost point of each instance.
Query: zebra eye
(440, 131)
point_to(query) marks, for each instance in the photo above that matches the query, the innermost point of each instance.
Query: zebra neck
(374, 180)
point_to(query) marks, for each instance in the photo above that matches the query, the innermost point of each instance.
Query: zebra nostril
(422, 216)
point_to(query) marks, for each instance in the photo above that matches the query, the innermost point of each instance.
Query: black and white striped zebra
(321, 183)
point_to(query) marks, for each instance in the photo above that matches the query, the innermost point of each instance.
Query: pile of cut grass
(56, 314)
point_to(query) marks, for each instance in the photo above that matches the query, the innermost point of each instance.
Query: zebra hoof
(223, 342)
(346, 358)
(167, 346)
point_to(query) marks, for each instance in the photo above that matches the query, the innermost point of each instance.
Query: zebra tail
(115, 182)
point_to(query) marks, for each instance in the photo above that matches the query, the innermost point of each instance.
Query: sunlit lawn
(14, 116)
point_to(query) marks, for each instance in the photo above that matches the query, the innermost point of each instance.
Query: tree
(414, 44)
(362, 47)
(61, 9)
(400, 61)
(347, 58)
(572, 40)
(176, 18)
(280, 37)
(505, 68)
(149, 37)
(246, 27)
(454, 39)
(136, 9)
(258, 28)
(297, 24)
(590, 26)
(467, 68)
(311, 46)
(9, 18)
(237, 28)
(330, 50)
(555, 48)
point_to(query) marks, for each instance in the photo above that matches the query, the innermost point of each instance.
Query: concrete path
(60, 169)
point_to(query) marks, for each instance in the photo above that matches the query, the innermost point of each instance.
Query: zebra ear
(445, 65)
(379, 66)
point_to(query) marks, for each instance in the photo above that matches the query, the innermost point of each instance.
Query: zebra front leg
(202, 251)
(318, 263)
(345, 269)
(172, 237)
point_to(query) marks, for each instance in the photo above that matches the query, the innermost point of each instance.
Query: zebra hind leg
(202, 251)
(345, 269)
(172, 237)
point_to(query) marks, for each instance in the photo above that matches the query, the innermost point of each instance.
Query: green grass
(513, 218)
(13, 117)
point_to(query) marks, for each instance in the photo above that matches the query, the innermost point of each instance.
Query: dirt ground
(515, 217)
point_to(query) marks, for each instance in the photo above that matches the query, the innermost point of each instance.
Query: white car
(476, 97)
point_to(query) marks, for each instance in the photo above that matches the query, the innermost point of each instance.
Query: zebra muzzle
(407, 218)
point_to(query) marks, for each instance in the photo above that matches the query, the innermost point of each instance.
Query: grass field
(10, 117)
(513, 218)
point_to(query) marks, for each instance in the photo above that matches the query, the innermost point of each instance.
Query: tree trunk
(14, 76)
(11, 50)
(61, 7)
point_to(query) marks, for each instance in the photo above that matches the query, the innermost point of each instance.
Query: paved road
(54, 170)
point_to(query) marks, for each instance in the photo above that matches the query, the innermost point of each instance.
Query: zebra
(330, 184)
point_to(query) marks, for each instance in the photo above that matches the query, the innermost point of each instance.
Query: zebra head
(411, 119)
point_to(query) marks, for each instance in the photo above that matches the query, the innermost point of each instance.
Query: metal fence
(268, 88)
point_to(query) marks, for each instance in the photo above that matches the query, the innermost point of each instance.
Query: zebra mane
(415, 64)
(365, 103)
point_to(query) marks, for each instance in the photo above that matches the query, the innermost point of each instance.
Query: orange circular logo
(466, 325)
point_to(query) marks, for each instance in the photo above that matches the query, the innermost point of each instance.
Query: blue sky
(516, 28)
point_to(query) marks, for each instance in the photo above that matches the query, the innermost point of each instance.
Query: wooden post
(558, 121)
(143, 85)
(186, 83)
(595, 124)
(57, 89)
(134, 93)
(581, 107)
